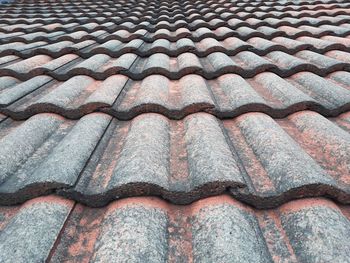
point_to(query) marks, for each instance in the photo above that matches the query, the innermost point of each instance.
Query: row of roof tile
(230, 46)
(167, 6)
(196, 16)
(220, 34)
(246, 64)
(337, 18)
(217, 229)
(96, 159)
(225, 97)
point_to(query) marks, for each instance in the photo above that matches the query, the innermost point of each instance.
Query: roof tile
(38, 221)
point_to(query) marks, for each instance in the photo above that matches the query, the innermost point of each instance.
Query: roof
(175, 131)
